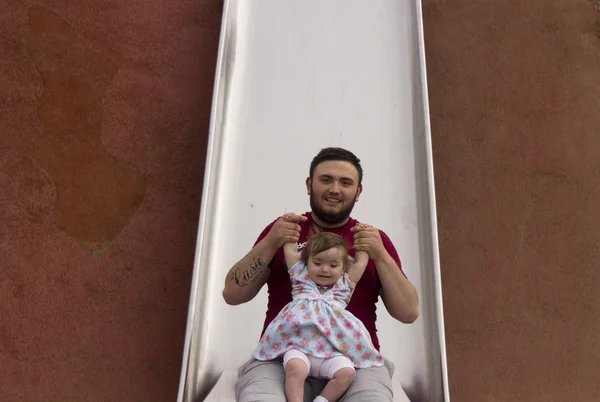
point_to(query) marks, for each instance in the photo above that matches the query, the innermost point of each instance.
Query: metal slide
(294, 76)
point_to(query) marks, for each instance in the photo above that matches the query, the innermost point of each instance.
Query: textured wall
(515, 109)
(104, 111)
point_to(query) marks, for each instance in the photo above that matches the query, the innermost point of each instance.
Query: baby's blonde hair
(323, 241)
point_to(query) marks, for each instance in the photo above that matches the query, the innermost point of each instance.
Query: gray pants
(263, 381)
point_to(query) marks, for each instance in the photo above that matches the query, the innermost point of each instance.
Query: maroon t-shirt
(363, 301)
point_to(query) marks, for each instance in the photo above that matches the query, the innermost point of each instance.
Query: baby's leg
(296, 365)
(341, 371)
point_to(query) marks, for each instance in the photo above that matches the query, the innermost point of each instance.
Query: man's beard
(330, 218)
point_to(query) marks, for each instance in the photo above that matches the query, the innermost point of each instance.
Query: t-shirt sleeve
(265, 232)
(389, 246)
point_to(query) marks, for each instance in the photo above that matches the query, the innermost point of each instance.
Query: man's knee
(370, 385)
(260, 381)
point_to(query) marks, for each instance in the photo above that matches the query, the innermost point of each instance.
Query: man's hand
(367, 238)
(285, 230)
(245, 279)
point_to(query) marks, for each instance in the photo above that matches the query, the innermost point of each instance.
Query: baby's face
(326, 267)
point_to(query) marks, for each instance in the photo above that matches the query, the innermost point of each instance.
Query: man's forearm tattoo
(251, 275)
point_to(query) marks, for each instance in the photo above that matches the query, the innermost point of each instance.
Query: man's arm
(397, 293)
(245, 279)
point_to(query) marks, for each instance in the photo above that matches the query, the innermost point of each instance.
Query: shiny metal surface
(293, 77)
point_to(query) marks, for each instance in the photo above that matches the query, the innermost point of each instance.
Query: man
(334, 186)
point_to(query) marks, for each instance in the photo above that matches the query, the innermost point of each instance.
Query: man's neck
(328, 225)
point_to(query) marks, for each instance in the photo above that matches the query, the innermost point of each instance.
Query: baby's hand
(368, 238)
(293, 217)
(360, 226)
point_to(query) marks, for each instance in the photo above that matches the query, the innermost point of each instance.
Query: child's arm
(361, 259)
(291, 254)
(356, 271)
(290, 250)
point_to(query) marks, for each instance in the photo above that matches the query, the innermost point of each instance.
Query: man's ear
(308, 185)
(359, 192)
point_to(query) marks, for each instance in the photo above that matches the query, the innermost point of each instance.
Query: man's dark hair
(336, 154)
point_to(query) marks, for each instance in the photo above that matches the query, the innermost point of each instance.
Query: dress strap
(326, 297)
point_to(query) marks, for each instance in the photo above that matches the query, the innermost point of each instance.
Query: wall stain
(97, 194)
(99, 252)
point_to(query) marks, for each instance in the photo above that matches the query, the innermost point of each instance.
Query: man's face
(333, 191)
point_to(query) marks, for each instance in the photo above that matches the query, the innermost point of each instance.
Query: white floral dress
(318, 324)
